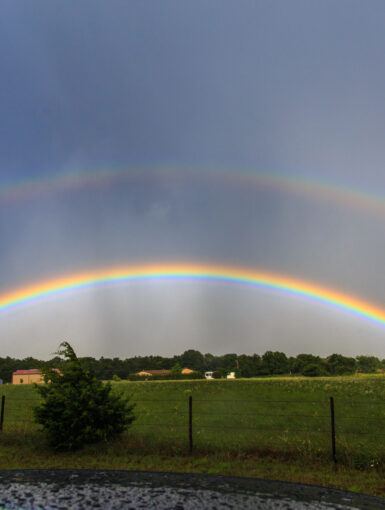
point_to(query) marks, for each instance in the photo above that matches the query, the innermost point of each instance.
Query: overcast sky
(284, 88)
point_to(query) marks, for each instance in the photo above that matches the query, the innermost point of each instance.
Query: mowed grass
(271, 427)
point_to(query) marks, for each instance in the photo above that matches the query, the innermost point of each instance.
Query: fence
(196, 423)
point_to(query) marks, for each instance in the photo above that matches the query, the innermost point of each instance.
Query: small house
(187, 371)
(31, 376)
(150, 373)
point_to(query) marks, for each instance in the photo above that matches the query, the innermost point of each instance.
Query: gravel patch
(110, 490)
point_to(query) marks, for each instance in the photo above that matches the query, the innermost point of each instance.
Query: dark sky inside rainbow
(211, 134)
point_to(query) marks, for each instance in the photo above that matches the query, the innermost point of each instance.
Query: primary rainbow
(205, 272)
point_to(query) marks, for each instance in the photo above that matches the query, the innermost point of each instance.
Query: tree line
(244, 365)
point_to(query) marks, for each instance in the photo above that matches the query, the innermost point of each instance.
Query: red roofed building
(29, 376)
(154, 372)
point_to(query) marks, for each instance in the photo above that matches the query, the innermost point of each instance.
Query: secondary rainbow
(102, 178)
(191, 271)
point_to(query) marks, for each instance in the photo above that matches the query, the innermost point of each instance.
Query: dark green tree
(77, 408)
(246, 366)
(275, 362)
(302, 361)
(176, 370)
(209, 362)
(339, 365)
(230, 362)
(192, 359)
(368, 364)
(313, 370)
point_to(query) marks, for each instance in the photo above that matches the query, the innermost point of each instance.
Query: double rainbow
(202, 272)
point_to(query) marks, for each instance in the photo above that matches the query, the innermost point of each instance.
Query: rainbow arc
(191, 271)
(101, 178)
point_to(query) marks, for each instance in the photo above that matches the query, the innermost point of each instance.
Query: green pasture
(286, 416)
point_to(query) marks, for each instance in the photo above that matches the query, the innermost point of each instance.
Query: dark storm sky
(287, 88)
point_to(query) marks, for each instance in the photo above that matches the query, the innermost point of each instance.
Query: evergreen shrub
(77, 408)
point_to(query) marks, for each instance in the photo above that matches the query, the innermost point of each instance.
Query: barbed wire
(264, 401)
(238, 428)
(215, 413)
(259, 429)
(227, 401)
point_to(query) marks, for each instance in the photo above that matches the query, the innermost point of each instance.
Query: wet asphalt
(84, 489)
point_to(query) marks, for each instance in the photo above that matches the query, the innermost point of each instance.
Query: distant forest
(270, 363)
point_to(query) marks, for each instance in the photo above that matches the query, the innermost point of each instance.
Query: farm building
(28, 376)
(153, 372)
(150, 373)
(187, 371)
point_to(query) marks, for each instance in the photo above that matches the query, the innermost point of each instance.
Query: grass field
(270, 427)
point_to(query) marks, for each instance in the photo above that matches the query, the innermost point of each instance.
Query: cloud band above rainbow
(100, 178)
(202, 272)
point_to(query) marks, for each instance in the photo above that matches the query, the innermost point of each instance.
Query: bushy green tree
(77, 408)
(192, 359)
(313, 370)
(246, 366)
(176, 370)
(298, 364)
(368, 364)
(275, 362)
(339, 365)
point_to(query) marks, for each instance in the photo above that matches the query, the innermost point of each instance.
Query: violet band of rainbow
(187, 271)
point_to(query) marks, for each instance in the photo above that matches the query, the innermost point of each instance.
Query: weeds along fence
(328, 427)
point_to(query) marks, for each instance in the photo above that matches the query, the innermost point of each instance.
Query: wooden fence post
(2, 412)
(190, 438)
(333, 429)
